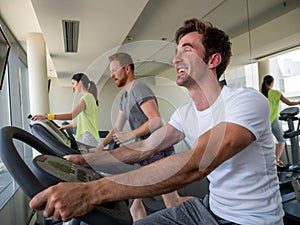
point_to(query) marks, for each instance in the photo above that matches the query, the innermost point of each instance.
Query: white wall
(61, 99)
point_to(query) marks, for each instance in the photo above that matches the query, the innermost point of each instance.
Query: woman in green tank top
(85, 111)
(274, 98)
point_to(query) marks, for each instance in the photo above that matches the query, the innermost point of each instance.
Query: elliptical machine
(290, 115)
(290, 205)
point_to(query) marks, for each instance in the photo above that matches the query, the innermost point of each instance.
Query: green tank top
(88, 119)
(274, 100)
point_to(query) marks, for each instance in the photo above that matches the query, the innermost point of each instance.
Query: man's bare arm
(166, 175)
(133, 152)
(137, 151)
(171, 173)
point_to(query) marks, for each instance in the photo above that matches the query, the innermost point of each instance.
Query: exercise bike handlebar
(32, 186)
(13, 161)
(286, 118)
(291, 134)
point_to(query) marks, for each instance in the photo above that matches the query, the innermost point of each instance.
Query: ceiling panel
(103, 26)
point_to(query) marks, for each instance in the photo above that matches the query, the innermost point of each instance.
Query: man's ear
(127, 68)
(215, 60)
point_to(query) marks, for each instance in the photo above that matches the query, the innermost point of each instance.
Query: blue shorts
(162, 154)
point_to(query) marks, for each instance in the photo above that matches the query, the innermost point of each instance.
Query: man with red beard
(139, 106)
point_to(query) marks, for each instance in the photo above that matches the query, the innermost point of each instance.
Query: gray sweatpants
(191, 212)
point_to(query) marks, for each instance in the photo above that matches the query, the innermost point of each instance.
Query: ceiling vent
(70, 32)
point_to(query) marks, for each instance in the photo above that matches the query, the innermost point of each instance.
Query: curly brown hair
(214, 41)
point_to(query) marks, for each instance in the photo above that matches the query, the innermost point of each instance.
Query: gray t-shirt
(131, 102)
(130, 105)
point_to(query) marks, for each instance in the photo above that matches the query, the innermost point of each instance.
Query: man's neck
(128, 85)
(205, 95)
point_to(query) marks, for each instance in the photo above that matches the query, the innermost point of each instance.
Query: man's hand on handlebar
(65, 201)
(78, 159)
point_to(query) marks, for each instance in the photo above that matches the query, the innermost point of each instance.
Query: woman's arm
(65, 116)
(288, 102)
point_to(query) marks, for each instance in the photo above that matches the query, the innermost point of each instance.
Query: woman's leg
(278, 133)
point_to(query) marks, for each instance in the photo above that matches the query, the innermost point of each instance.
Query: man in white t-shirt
(230, 139)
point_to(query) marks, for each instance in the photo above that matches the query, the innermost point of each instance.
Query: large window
(286, 68)
(6, 181)
(14, 104)
(245, 76)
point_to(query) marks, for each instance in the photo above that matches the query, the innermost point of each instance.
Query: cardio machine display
(52, 169)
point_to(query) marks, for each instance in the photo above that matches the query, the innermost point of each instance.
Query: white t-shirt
(244, 189)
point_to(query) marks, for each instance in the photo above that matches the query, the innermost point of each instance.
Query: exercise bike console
(51, 169)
